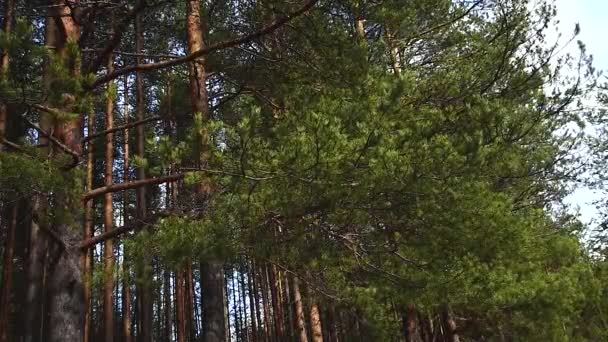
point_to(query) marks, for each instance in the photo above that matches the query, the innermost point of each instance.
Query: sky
(592, 15)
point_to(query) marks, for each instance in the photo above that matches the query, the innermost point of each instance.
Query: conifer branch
(204, 51)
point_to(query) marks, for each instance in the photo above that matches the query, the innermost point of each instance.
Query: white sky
(592, 15)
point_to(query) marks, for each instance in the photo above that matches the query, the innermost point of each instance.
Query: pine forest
(302, 170)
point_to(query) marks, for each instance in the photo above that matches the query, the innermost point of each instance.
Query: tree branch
(130, 185)
(205, 51)
(120, 128)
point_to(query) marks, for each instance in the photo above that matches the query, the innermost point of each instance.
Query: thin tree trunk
(7, 273)
(167, 335)
(256, 296)
(9, 6)
(108, 217)
(243, 294)
(266, 305)
(253, 307)
(86, 257)
(276, 303)
(180, 306)
(299, 311)
(126, 289)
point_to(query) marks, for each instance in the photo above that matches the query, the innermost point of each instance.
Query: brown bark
(212, 285)
(449, 326)
(139, 67)
(66, 291)
(9, 6)
(7, 273)
(277, 307)
(180, 311)
(86, 257)
(316, 327)
(266, 305)
(410, 323)
(299, 311)
(108, 220)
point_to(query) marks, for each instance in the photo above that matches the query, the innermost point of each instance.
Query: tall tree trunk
(9, 6)
(126, 289)
(11, 214)
(256, 295)
(86, 257)
(277, 307)
(180, 306)
(266, 305)
(108, 216)
(144, 294)
(253, 308)
(167, 335)
(66, 292)
(7, 273)
(299, 311)
(290, 322)
(213, 279)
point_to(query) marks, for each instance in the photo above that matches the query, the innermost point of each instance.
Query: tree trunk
(266, 305)
(212, 280)
(315, 321)
(277, 308)
(7, 273)
(108, 217)
(144, 286)
(299, 311)
(180, 306)
(126, 289)
(253, 307)
(449, 326)
(9, 6)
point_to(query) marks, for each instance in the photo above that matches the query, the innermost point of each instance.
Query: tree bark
(126, 289)
(212, 286)
(277, 308)
(86, 257)
(144, 285)
(108, 217)
(449, 326)
(212, 283)
(7, 273)
(315, 320)
(180, 306)
(9, 6)
(299, 311)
